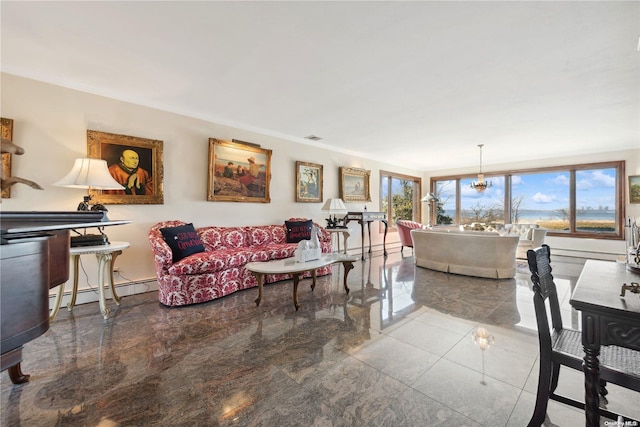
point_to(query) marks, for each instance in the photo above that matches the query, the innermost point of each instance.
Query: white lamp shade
(334, 206)
(429, 197)
(89, 173)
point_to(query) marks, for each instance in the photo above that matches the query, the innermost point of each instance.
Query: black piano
(34, 254)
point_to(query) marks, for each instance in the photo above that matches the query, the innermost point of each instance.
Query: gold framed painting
(308, 182)
(634, 189)
(136, 163)
(354, 184)
(7, 133)
(238, 172)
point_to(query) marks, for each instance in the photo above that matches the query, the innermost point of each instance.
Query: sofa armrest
(538, 236)
(162, 255)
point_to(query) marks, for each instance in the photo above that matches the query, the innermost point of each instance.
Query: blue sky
(547, 191)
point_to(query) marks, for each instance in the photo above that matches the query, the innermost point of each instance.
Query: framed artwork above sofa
(308, 182)
(238, 172)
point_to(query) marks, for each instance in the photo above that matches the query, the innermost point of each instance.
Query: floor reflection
(397, 350)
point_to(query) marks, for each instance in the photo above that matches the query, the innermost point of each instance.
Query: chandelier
(480, 185)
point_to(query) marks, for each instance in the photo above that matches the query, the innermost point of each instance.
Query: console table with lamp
(92, 174)
(336, 226)
(430, 199)
(367, 218)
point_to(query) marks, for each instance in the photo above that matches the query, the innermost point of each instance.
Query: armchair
(404, 227)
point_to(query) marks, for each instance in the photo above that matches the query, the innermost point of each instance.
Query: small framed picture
(136, 163)
(634, 189)
(238, 172)
(308, 182)
(354, 184)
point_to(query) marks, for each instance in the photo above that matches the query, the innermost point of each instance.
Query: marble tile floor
(399, 350)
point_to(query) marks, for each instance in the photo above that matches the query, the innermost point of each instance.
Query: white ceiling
(417, 84)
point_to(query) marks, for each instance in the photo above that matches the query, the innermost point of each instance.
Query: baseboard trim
(89, 295)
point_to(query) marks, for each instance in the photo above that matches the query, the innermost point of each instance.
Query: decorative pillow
(183, 241)
(298, 230)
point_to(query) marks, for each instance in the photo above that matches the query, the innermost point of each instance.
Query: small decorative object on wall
(9, 148)
(354, 184)
(7, 133)
(238, 172)
(136, 163)
(308, 182)
(634, 189)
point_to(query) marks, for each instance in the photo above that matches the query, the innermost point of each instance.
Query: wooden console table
(367, 218)
(607, 319)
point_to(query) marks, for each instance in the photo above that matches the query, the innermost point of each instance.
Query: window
(577, 201)
(400, 197)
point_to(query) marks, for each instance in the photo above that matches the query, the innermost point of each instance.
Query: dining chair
(563, 347)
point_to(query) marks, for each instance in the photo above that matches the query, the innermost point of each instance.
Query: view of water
(524, 215)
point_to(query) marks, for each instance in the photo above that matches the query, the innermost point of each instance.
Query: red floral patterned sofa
(219, 270)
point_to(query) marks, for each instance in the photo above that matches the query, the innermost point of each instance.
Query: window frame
(618, 165)
(417, 196)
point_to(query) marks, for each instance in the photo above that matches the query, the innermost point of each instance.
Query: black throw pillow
(298, 230)
(183, 241)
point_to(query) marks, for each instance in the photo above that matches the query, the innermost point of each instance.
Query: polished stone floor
(399, 350)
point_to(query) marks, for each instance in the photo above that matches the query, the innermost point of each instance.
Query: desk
(106, 255)
(337, 232)
(607, 319)
(367, 218)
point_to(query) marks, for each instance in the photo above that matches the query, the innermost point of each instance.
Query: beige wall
(50, 122)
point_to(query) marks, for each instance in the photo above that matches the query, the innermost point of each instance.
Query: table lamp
(430, 199)
(89, 174)
(334, 206)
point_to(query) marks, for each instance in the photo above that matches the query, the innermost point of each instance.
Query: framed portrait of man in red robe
(136, 163)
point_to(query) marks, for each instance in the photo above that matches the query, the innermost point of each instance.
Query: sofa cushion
(218, 238)
(265, 235)
(211, 262)
(298, 230)
(275, 251)
(183, 241)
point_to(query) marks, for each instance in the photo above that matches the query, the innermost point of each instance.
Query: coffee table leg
(296, 280)
(313, 275)
(258, 277)
(348, 266)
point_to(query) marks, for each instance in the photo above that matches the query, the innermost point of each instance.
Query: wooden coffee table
(296, 269)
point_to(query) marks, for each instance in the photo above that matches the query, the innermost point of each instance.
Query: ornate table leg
(369, 230)
(362, 237)
(16, 375)
(74, 291)
(104, 260)
(115, 296)
(56, 304)
(258, 277)
(314, 276)
(384, 239)
(591, 366)
(348, 266)
(591, 383)
(296, 280)
(345, 238)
